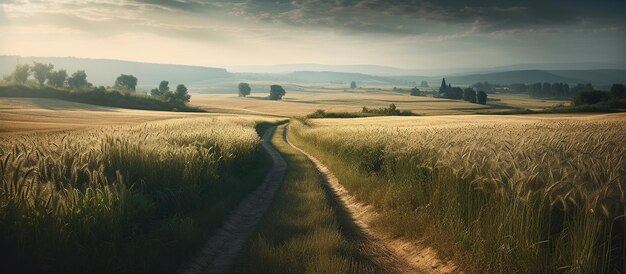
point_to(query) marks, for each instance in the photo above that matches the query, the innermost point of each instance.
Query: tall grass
(500, 197)
(122, 199)
(300, 232)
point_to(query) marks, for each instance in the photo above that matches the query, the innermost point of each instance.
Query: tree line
(538, 90)
(467, 94)
(615, 97)
(44, 74)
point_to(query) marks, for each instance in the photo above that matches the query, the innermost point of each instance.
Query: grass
(134, 199)
(503, 196)
(95, 96)
(301, 232)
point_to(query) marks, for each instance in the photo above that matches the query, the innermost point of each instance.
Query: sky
(413, 34)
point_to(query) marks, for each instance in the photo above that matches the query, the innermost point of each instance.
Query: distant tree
(424, 84)
(21, 73)
(469, 94)
(244, 89)
(41, 71)
(57, 78)
(535, 90)
(618, 91)
(481, 97)
(485, 86)
(455, 93)
(124, 81)
(78, 80)
(353, 85)
(546, 90)
(180, 95)
(415, 92)
(163, 89)
(276, 92)
(590, 97)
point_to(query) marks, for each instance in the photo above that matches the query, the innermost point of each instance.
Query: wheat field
(136, 198)
(499, 194)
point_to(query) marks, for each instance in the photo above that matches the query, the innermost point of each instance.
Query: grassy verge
(301, 232)
(96, 96)
(136, 199)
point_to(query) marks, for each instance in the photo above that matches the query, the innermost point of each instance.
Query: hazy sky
(402, 33)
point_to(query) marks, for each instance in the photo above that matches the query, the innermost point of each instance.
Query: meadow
(125, 198)
(498, 194)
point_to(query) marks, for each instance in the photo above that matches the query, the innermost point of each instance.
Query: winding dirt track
(391, 253)
(223, 247)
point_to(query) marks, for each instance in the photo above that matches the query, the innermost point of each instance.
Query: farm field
(432, 182)
(528, 194)
(41, 114)
(91, 198)
(302, 100)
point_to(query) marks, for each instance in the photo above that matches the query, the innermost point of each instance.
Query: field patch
(543, 192)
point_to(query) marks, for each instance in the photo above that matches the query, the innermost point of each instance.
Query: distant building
(444, 87)
(447, 91)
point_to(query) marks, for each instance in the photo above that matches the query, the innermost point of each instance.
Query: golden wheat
(510, 187)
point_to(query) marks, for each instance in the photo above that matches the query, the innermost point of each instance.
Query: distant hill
(596, 77)
(331, 76)
(290, 68)
(393, 71)
(103, 71)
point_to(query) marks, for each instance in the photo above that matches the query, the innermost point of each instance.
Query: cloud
(408, 16)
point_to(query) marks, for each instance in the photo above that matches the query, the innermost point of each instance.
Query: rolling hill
(103, 71)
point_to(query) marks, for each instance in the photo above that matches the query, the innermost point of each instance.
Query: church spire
(444, 86)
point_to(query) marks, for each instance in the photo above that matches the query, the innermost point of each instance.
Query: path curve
(396, 254)
(222, 248)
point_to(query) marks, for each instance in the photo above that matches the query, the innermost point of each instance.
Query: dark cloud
(404, 16)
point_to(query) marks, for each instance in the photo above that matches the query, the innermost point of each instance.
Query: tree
(57, 78)
(126, 82)
(163, 89)
(469, 94)
(454, 93)
(41, 71)
(244, 89)
(481, 97)
(424, 84)
(78, 80)
(618, 91)
(415, 92)
(181, 96)
(353, 85)
(21, 73)
(276, 92)
(590, 97)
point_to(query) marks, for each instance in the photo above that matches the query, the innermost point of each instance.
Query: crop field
(499, 194)
(123, 198)
(305, 101)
